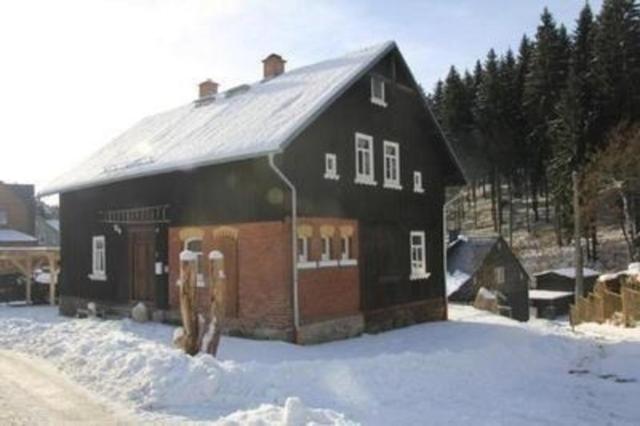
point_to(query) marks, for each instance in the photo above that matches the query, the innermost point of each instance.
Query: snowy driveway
(32, 392)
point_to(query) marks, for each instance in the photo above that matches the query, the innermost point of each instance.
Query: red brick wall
(263, 254)
(334, 291)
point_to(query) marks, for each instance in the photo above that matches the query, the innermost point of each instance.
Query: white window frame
(98, 258)
(378, 100)
(327, 250)
(199, 260)
(391, 165)
(367, 155)
(345, 255)
(499, 274)
(418, 256)
(303, 258)
(331, 166)
(417, 182)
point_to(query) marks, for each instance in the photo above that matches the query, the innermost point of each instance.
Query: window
(417, 182)
(418, 256)
(326, 257)
(303, 253)
(195, 245)
(99, 258)
(498, 273)
(346, 251)
(392, 165)
(4, 218)
(377, 92)
(331, 167)
(364, 159)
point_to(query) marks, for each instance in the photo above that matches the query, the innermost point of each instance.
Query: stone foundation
(405, 315)
(334, 329)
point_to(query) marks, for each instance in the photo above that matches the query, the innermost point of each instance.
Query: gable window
(392, 165)
(418, 255)
(195, 245)
(498, 273)
(378, 91)
(364, 159)
(98, 258)
(417, 182)
(331, 167)
(4, 217)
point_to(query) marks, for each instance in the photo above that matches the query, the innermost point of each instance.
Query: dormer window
(331, 167)
(417, 182)
(377, 92)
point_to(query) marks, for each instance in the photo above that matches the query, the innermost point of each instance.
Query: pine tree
(616, 60)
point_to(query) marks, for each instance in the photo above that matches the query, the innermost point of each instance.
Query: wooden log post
(214, 322)
(187, 338)
(53, 279)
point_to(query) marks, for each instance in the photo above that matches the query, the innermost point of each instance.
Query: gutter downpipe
(445, 246)
(294, 243)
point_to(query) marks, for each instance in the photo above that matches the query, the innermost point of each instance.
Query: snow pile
(442, 373)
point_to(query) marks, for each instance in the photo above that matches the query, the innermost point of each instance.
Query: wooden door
(142, 256)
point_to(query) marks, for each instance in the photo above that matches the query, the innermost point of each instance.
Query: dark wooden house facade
(475, 262)
(338, 168)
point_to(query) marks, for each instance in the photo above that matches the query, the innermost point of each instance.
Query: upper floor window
(4, 217)
(417, 182)
(418, 255)
(98, 258)
(498, 273)
(331, 167)
(377, 91)
(364, 159)
(195, 245)
(392, 165)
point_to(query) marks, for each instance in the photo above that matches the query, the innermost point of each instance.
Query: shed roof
(464, 257)
(548, 294)
(243, 122)
(13, 236)
(568, 272)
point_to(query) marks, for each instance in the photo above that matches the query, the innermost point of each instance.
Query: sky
(74, 74)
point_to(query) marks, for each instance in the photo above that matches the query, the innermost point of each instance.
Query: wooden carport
(26, 260)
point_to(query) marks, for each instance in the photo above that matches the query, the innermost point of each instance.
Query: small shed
(564, 279)
(550, 304)
(476, 262)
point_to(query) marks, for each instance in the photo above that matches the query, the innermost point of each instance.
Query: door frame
(131, 230)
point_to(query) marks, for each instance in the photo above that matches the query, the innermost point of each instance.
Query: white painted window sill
(98, 277)
(363, 180)
(327, 263)
(420, 276)
(348, 262)
(418, 190)
(332, 176)
(393, 185)
(379, 102)
(307, 265)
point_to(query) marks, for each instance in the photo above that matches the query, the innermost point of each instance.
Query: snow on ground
(478, 368)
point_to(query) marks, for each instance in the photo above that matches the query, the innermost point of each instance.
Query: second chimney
(273, 65)
(208, 88)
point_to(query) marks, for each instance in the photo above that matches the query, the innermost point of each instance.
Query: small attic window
(378, 92)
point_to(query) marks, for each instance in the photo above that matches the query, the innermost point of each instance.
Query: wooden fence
(604, 305)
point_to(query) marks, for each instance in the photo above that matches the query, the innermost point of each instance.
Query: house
(488, 262)
(322, 186)
(553, 291)
(17, 215)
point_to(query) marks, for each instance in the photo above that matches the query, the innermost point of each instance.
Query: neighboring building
(17, 215)
(564, 279)
(346, 150)
(476, 262)
(48, 231)
(550, 304)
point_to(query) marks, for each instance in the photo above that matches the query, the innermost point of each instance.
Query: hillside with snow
(476, 368)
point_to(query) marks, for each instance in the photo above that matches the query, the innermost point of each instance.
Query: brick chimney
(208, 88)
(273, 65)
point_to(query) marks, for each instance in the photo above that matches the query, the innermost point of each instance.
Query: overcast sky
(76, 73)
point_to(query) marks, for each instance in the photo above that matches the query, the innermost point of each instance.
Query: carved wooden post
(216, 315)
(188, 340)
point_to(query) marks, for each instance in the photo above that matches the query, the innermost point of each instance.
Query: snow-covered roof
(569, 272)
(455, 280)
(13, 236)
(548, 294)
(54, 223)
(243, 122)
